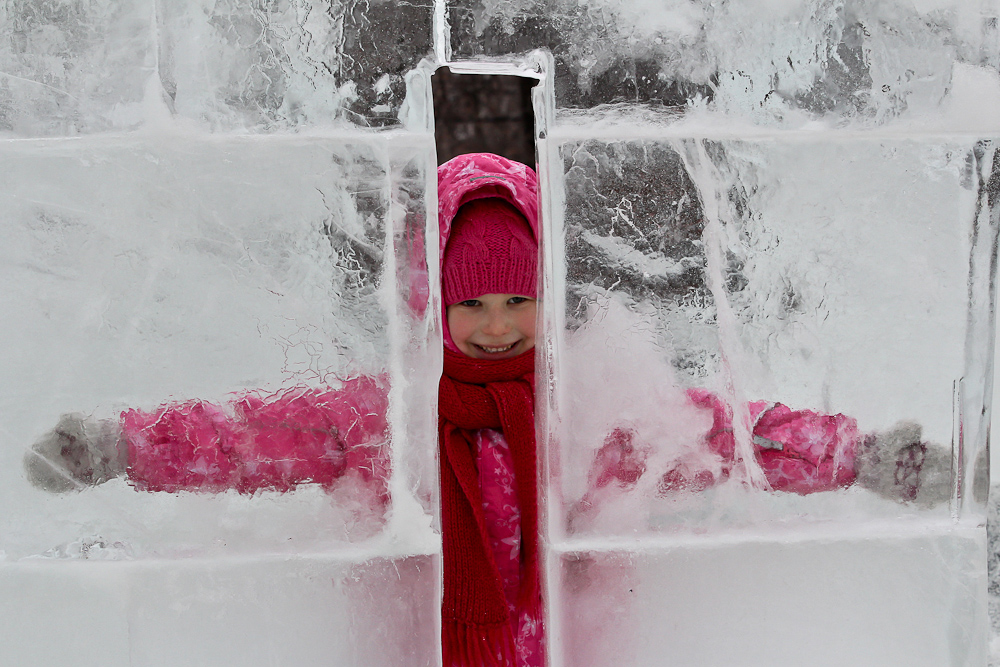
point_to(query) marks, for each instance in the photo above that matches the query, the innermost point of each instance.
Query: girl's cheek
(460, 324)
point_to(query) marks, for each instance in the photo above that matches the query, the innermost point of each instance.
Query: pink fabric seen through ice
(277, 441)
(800, 451)
(317, 435)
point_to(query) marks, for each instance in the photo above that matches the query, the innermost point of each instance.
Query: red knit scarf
(475, 394)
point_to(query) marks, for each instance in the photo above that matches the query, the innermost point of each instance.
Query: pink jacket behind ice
(799, 451)
(263, 441)
(316, 435)
(301, 434)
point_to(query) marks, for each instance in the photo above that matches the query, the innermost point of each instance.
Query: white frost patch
(651, 264)
(382, 85)
(618, 376)
(649, 17)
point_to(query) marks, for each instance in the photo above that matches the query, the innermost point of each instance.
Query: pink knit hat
(490, 251)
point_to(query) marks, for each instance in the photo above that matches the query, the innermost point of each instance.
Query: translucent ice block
(70, 68)
(280, 66)
(833, 277)
(913, 598)
(847, 277)
(147, 271)
(772, 62)
(316, 610)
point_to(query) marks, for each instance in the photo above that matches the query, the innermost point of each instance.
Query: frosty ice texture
(153, 267)
(827, 275)
(809, 313)
(414, 326)
(158, 256)
(155, 273)
(302, 610)
(635, 226)
(767, 60)
(829, 271)
(285, 65)
(142, 271)
(897, 599)
(149, 268)
(71, 68)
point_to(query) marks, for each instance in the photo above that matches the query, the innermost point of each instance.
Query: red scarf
(476, 394)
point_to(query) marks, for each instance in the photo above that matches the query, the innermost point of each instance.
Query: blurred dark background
(476, 113)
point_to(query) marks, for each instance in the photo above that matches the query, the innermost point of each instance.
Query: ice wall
(204, 201)
(797, 315)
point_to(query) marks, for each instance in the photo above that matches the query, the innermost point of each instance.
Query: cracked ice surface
(775, 62)
(74, 67)
(145, 271)
(83, 66)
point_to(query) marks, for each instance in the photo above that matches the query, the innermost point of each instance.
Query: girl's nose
(497, 323)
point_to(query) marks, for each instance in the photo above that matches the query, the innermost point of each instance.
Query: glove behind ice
(79, 452)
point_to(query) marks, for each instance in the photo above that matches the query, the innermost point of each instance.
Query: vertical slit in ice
(508, 127)
(712, 191)
(977, 392)
(957, 449)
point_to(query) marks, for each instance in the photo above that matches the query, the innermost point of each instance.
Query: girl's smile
(493, 326)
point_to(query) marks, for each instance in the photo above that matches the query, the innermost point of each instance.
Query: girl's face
(493, 326)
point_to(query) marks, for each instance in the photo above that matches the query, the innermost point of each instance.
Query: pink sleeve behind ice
(802, 451)
(276, 441)
(805, 451)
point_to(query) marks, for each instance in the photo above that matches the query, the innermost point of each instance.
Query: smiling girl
(494, 326)
(492, 609)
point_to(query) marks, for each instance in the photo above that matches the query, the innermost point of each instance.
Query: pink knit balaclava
(490, 251)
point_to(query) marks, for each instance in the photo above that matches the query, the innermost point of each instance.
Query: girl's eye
(517, 299)
(469, 303)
